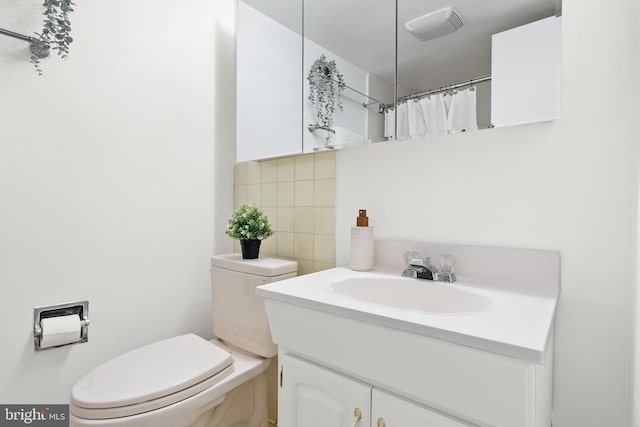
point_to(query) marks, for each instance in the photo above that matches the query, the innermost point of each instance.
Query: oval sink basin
(411, 294)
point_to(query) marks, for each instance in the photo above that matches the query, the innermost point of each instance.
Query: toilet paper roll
(60, 330)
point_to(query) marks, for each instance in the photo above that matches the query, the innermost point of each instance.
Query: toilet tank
(239, 316)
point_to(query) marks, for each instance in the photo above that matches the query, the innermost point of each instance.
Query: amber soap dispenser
(362, 243)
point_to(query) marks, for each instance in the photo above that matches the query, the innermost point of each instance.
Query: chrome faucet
(421, 268)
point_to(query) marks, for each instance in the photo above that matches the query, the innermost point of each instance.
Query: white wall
(107, 176)
(569, 185)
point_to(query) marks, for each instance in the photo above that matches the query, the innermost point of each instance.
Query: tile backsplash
(298, 195)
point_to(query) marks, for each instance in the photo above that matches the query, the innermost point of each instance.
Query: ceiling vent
(434, 24)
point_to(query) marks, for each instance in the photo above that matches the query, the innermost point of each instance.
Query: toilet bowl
(187, 381)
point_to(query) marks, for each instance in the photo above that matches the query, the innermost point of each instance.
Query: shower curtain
(434, 115)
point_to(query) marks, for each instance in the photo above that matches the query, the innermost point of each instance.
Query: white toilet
(187, 381)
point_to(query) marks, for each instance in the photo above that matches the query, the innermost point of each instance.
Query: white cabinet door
(525, 69)
(310, 396)
(268, 84)
(392, 411)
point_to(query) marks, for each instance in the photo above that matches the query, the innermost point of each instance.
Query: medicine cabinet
(315, 75)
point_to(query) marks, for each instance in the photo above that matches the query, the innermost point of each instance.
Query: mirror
(348, 71)
(327, 80)
(466, 65)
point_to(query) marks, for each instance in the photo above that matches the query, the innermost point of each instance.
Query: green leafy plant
(249, 223)
(56, 30)
(326, 85)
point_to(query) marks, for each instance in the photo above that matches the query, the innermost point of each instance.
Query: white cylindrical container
(361, 248)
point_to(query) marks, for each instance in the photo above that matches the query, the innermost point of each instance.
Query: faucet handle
(445, 268)
(409, 256)
(446, 263)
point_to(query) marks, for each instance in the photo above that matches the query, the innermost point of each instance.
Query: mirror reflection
(465, 65)
(327, 79)
(349, 62)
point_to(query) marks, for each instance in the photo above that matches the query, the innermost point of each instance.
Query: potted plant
(326, 84)
(249, 225)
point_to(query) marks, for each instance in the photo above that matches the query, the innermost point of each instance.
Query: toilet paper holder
(79, 308)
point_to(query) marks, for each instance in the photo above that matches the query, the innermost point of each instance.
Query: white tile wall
(298, 195)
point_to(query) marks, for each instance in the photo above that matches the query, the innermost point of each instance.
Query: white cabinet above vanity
(474, 352)
(319, 75)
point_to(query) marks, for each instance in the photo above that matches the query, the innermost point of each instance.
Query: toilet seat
(150, 377)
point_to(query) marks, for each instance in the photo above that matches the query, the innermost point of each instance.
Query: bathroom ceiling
(362, 32)
(466, 53)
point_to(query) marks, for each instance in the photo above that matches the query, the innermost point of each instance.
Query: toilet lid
(153, 372)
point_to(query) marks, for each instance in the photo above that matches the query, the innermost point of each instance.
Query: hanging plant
(326, 85)
(56, 31)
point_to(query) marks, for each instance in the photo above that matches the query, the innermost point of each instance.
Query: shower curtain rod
(458, 85)
(447, 87)
(39, 48)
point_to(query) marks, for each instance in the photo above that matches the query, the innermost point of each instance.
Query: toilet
(187, 381)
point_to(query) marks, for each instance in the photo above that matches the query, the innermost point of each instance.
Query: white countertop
(516, 322)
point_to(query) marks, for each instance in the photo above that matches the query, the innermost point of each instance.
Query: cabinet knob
(357, 413)
(381, 422)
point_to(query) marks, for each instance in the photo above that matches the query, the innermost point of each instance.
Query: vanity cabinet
(453, 364)
(312, 396)
(467, 385)
(388, 410)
